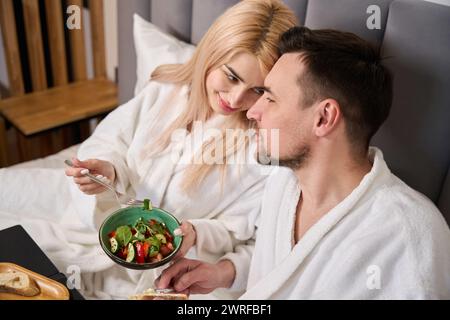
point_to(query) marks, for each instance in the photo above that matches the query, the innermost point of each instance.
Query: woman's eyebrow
(234, 73)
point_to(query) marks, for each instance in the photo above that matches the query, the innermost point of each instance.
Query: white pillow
(155, 47)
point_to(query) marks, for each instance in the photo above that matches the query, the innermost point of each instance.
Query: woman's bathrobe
(64, 221)
(384, 241)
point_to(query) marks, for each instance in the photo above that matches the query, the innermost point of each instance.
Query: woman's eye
(270, 100)
(231, 77)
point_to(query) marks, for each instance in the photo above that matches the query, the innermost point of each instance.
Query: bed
(414, 33)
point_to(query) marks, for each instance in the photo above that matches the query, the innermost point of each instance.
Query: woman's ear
(328, 117)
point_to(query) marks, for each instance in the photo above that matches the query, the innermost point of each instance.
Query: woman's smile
(225, 105)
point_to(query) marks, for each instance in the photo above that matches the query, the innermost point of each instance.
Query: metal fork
(129, 202)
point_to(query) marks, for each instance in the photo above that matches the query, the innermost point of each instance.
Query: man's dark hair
(342, 66)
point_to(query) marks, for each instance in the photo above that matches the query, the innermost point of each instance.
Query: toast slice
(18, 283)
(151, 294)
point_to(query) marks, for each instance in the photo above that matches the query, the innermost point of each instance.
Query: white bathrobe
(64, 221)
(384, 241)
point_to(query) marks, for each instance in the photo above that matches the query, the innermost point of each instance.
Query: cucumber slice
(114, 245)
(139, 236)
(131, 253)
(161, 237)
(153, 252)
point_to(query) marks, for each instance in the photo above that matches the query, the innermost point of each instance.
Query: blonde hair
(251, 26)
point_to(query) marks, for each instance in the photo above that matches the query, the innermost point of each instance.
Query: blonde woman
(156, 145)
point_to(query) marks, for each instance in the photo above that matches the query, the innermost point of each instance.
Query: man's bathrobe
(384, 241)
(64, 221)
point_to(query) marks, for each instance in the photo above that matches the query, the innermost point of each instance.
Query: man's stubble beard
(294, 162)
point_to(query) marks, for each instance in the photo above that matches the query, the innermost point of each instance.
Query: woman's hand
(189, 238)
(193, 276)
(101, 168)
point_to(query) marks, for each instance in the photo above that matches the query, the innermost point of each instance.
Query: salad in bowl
(140, 237)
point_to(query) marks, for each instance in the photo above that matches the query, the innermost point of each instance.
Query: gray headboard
(415, 35)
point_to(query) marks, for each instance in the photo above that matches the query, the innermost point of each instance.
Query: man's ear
(328, 116)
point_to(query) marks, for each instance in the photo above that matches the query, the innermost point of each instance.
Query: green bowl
(128, 216)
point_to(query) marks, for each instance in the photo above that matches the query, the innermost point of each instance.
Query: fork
(129, 202)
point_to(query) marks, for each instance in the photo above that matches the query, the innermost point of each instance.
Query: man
(339, 224)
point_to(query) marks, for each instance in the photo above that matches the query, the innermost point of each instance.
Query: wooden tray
(50, 289)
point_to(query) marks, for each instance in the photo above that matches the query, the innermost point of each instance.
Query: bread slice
(151, 294)
(18, 283)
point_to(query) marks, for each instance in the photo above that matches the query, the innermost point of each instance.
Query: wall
(112, 54)
(444, 2)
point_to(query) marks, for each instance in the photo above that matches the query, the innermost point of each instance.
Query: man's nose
(255, 111)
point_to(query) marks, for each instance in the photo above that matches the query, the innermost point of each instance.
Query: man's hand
(193, 276)
(96, 167)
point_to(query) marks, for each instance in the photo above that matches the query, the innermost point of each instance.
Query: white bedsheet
(69, 244)
(50, 162)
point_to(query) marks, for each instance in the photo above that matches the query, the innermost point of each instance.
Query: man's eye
(270, 100)
(258, 91)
